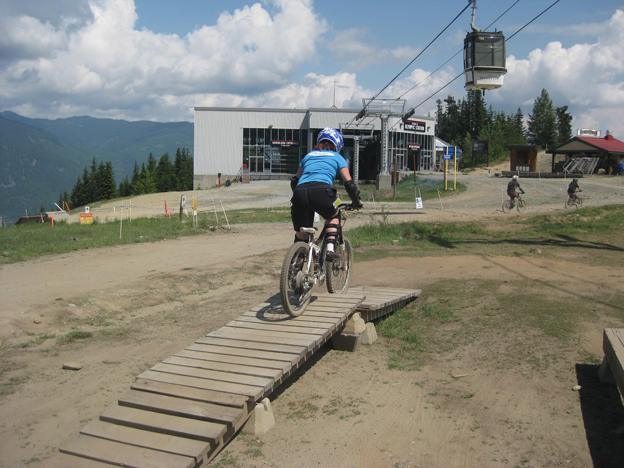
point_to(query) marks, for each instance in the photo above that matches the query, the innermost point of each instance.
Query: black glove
(294, 180)
(354, 194)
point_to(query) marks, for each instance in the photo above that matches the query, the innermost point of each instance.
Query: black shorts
(310, 198)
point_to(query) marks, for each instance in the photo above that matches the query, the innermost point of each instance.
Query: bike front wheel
(570, 202)
(295, 283)
(339, 271)
(506, 206)
(521, 205)
(579, 202)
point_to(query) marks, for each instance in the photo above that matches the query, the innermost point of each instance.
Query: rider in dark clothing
(573, 187)
(511, 189)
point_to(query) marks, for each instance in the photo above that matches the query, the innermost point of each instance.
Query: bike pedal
(332, 256)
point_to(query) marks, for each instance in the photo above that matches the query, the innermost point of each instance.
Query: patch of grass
(596, 230)
(499, 322)
(226, 460)
(425, 187)
(36, 341)
(73, 336)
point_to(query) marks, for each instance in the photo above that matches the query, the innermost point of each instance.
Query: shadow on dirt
(603, 418)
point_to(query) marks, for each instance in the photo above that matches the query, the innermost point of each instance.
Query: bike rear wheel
(339, 271)
(295, 285)
(506, 206)
(521, 205)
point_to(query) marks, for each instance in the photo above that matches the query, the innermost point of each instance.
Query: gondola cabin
(484, 60)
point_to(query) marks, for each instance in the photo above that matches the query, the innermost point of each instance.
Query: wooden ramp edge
(183, 411)
(381, 301)
(613, 347)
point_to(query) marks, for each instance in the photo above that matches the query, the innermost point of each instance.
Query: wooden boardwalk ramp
(182, 411)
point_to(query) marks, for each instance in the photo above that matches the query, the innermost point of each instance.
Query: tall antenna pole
(334, 105)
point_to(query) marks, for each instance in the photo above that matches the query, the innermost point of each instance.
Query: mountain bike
(519, 204)
(574, 201)
(306, 264)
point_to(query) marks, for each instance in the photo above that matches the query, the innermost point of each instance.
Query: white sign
(588, 132)
(419, 204)
(86, 209)
(183, 201)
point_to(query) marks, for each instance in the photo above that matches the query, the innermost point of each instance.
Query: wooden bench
(612, 367)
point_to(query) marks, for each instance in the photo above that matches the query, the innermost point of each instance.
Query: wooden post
(395, 178)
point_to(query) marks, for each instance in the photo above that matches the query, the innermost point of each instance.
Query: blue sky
(157, 59)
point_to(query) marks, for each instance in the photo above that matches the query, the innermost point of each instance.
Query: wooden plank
(151, 440)
(255, 371)
(231, 417)
(275, 347)
(301, 321)
(302, 318)
(205, 431)
(613, 346)
(269, 338)
(288, 336)
(108, 451)
(243, 361)
(323, 331)
(208, 384)
(64, 460)
(244, 352)
(198, 394)
(246, 380)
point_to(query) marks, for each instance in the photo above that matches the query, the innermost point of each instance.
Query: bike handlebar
(347, 207)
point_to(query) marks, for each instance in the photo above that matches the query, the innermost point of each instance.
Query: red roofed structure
(598, 152)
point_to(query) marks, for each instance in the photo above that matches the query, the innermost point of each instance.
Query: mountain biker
(313, 192)
(511, 189)
(572, 188)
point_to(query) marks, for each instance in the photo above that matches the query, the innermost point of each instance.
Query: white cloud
(586, 77)
(357, 54)
(107, 66)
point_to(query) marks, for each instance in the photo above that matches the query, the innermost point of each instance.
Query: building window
(272, 150)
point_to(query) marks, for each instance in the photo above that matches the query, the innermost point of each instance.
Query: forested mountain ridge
(40, 158)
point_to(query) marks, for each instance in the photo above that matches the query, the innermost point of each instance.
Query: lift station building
(259, 144)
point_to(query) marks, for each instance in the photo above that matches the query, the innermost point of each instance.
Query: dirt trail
(145, 302)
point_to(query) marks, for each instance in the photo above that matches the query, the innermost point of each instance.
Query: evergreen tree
(166, 179)
(125, 188)
(106, 181)
(564, 124)
(543, 122)
(63, 198)
(183, 166)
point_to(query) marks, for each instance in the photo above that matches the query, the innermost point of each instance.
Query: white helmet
(515, 177)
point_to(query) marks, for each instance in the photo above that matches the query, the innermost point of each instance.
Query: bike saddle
(310, 230)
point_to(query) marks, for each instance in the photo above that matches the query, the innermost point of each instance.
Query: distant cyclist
(572, 188)
(312, 187)
(511, 190)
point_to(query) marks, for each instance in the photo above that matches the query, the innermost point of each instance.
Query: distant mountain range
(41, 158)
